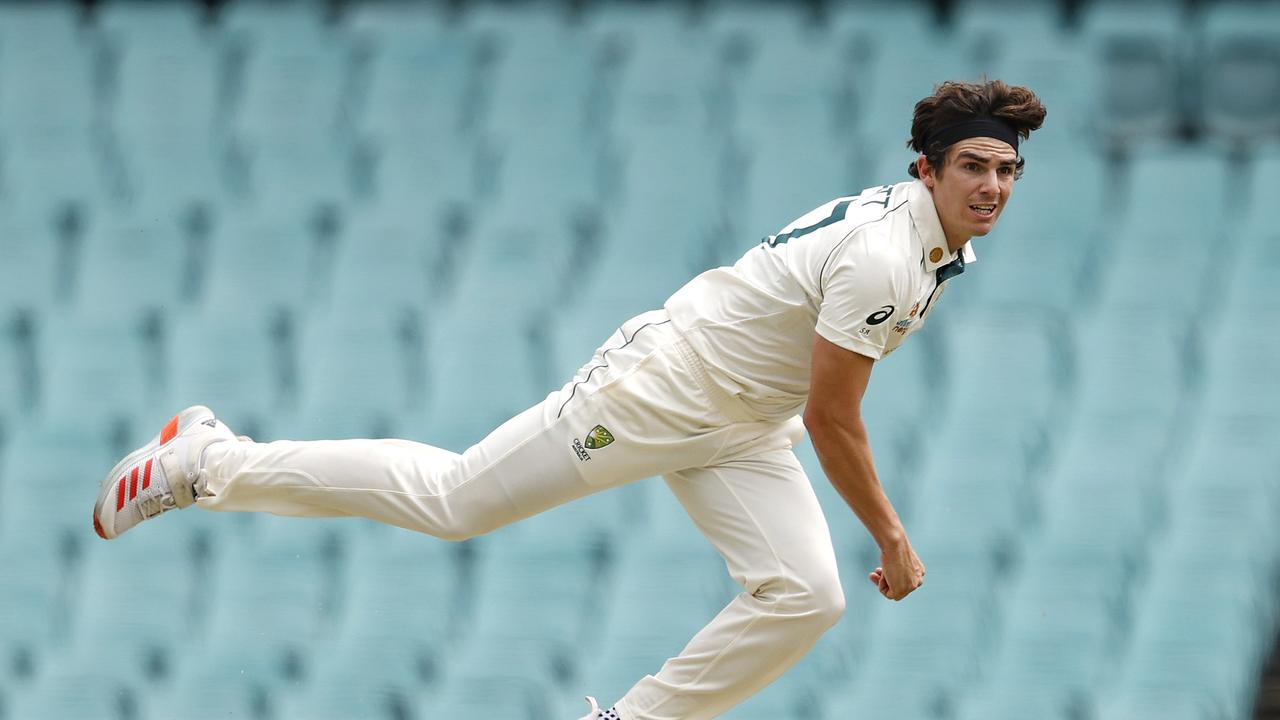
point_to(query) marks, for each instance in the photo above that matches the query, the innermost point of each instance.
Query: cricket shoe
(158, 476)
(595, 713)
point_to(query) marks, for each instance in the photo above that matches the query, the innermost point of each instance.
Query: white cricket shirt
(863, 271)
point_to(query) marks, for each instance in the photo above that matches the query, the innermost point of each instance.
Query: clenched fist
(900, 573)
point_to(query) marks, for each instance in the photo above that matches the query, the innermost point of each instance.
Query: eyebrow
(984, 159)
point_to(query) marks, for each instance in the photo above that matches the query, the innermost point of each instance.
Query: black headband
(980, 126)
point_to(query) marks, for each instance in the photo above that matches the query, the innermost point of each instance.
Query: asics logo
(131, 480)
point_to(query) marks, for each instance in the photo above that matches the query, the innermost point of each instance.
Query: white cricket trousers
(737, 477)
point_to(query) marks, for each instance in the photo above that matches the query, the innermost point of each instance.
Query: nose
(990, 183)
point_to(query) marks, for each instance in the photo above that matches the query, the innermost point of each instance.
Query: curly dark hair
(953, 102)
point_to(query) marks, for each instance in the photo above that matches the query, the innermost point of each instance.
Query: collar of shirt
(924, 218)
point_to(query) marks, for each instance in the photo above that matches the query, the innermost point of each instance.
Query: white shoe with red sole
(159, 476)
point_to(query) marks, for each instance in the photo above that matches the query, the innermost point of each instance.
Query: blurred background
(352, 219)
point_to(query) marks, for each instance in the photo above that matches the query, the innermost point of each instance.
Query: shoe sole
(172, 429)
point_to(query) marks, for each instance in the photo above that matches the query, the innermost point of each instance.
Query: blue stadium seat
(512, 276)
(889, 77)
(365, 366)
(934, 639)
(782, 74)
(48, 88)
(168, 175)
(410, 21)
(135, 267)
(32, 269)
(481, 376)
(479, 697)
(1237, 384)
(261, 265)
(51, 176)
(296, 174)
(358, 693)
(80, 692)
(537, 591)
(420, 74)
(1078, 572)
(229, 363)
(1036, 23)
(386, 262)
(1051, 68)
(16, 376)
(36, 490)
(429, 176)
(1245, 494)
(98, 372)
(1194, 651)
(876, 24)
(1105, 492)
(1239, 74)
(1249, 283)
(541, 76)
(1013, 702)
(1162, 255)
(132, 614)
(32, 604)
(294, 70)
(268, 607)
(210, 693)
(1059, 648)
(1130, 372)
(547, 170)
(1126, 703)
(1137, 50)
(977, 351)
(666, 80)
(982, 501)
(403, 607)
(165, 69)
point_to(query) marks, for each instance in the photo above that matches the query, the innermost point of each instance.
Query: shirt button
(935, 255)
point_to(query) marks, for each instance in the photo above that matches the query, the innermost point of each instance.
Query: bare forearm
(845, 453)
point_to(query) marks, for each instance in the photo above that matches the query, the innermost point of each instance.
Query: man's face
(972, 190)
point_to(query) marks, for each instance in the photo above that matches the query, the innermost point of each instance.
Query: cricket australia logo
(598, 437)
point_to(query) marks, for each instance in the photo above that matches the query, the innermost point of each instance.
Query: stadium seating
(386, 218)
(1240, 75)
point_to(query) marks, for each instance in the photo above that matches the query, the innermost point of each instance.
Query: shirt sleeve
(859, 302)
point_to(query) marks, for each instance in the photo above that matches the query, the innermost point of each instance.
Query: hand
(901, 571)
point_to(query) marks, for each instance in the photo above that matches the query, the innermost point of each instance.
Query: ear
(925, 170)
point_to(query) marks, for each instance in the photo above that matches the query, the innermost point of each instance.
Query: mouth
(984, 210)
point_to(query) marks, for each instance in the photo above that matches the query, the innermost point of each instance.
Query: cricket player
(706, 392)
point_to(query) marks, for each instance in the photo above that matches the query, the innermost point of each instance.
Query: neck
(955, 241)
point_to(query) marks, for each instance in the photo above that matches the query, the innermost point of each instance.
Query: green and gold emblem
(598, 438)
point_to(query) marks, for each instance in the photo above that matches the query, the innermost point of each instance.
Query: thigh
(761, 514)
(639, 425)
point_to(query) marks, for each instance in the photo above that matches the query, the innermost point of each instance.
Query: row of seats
(1050, 591)
(403, 221)
(380, 320)
(276, 67)
(148, 107)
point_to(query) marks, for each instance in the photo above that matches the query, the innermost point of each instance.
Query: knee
(460, 529)
(813, 604)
